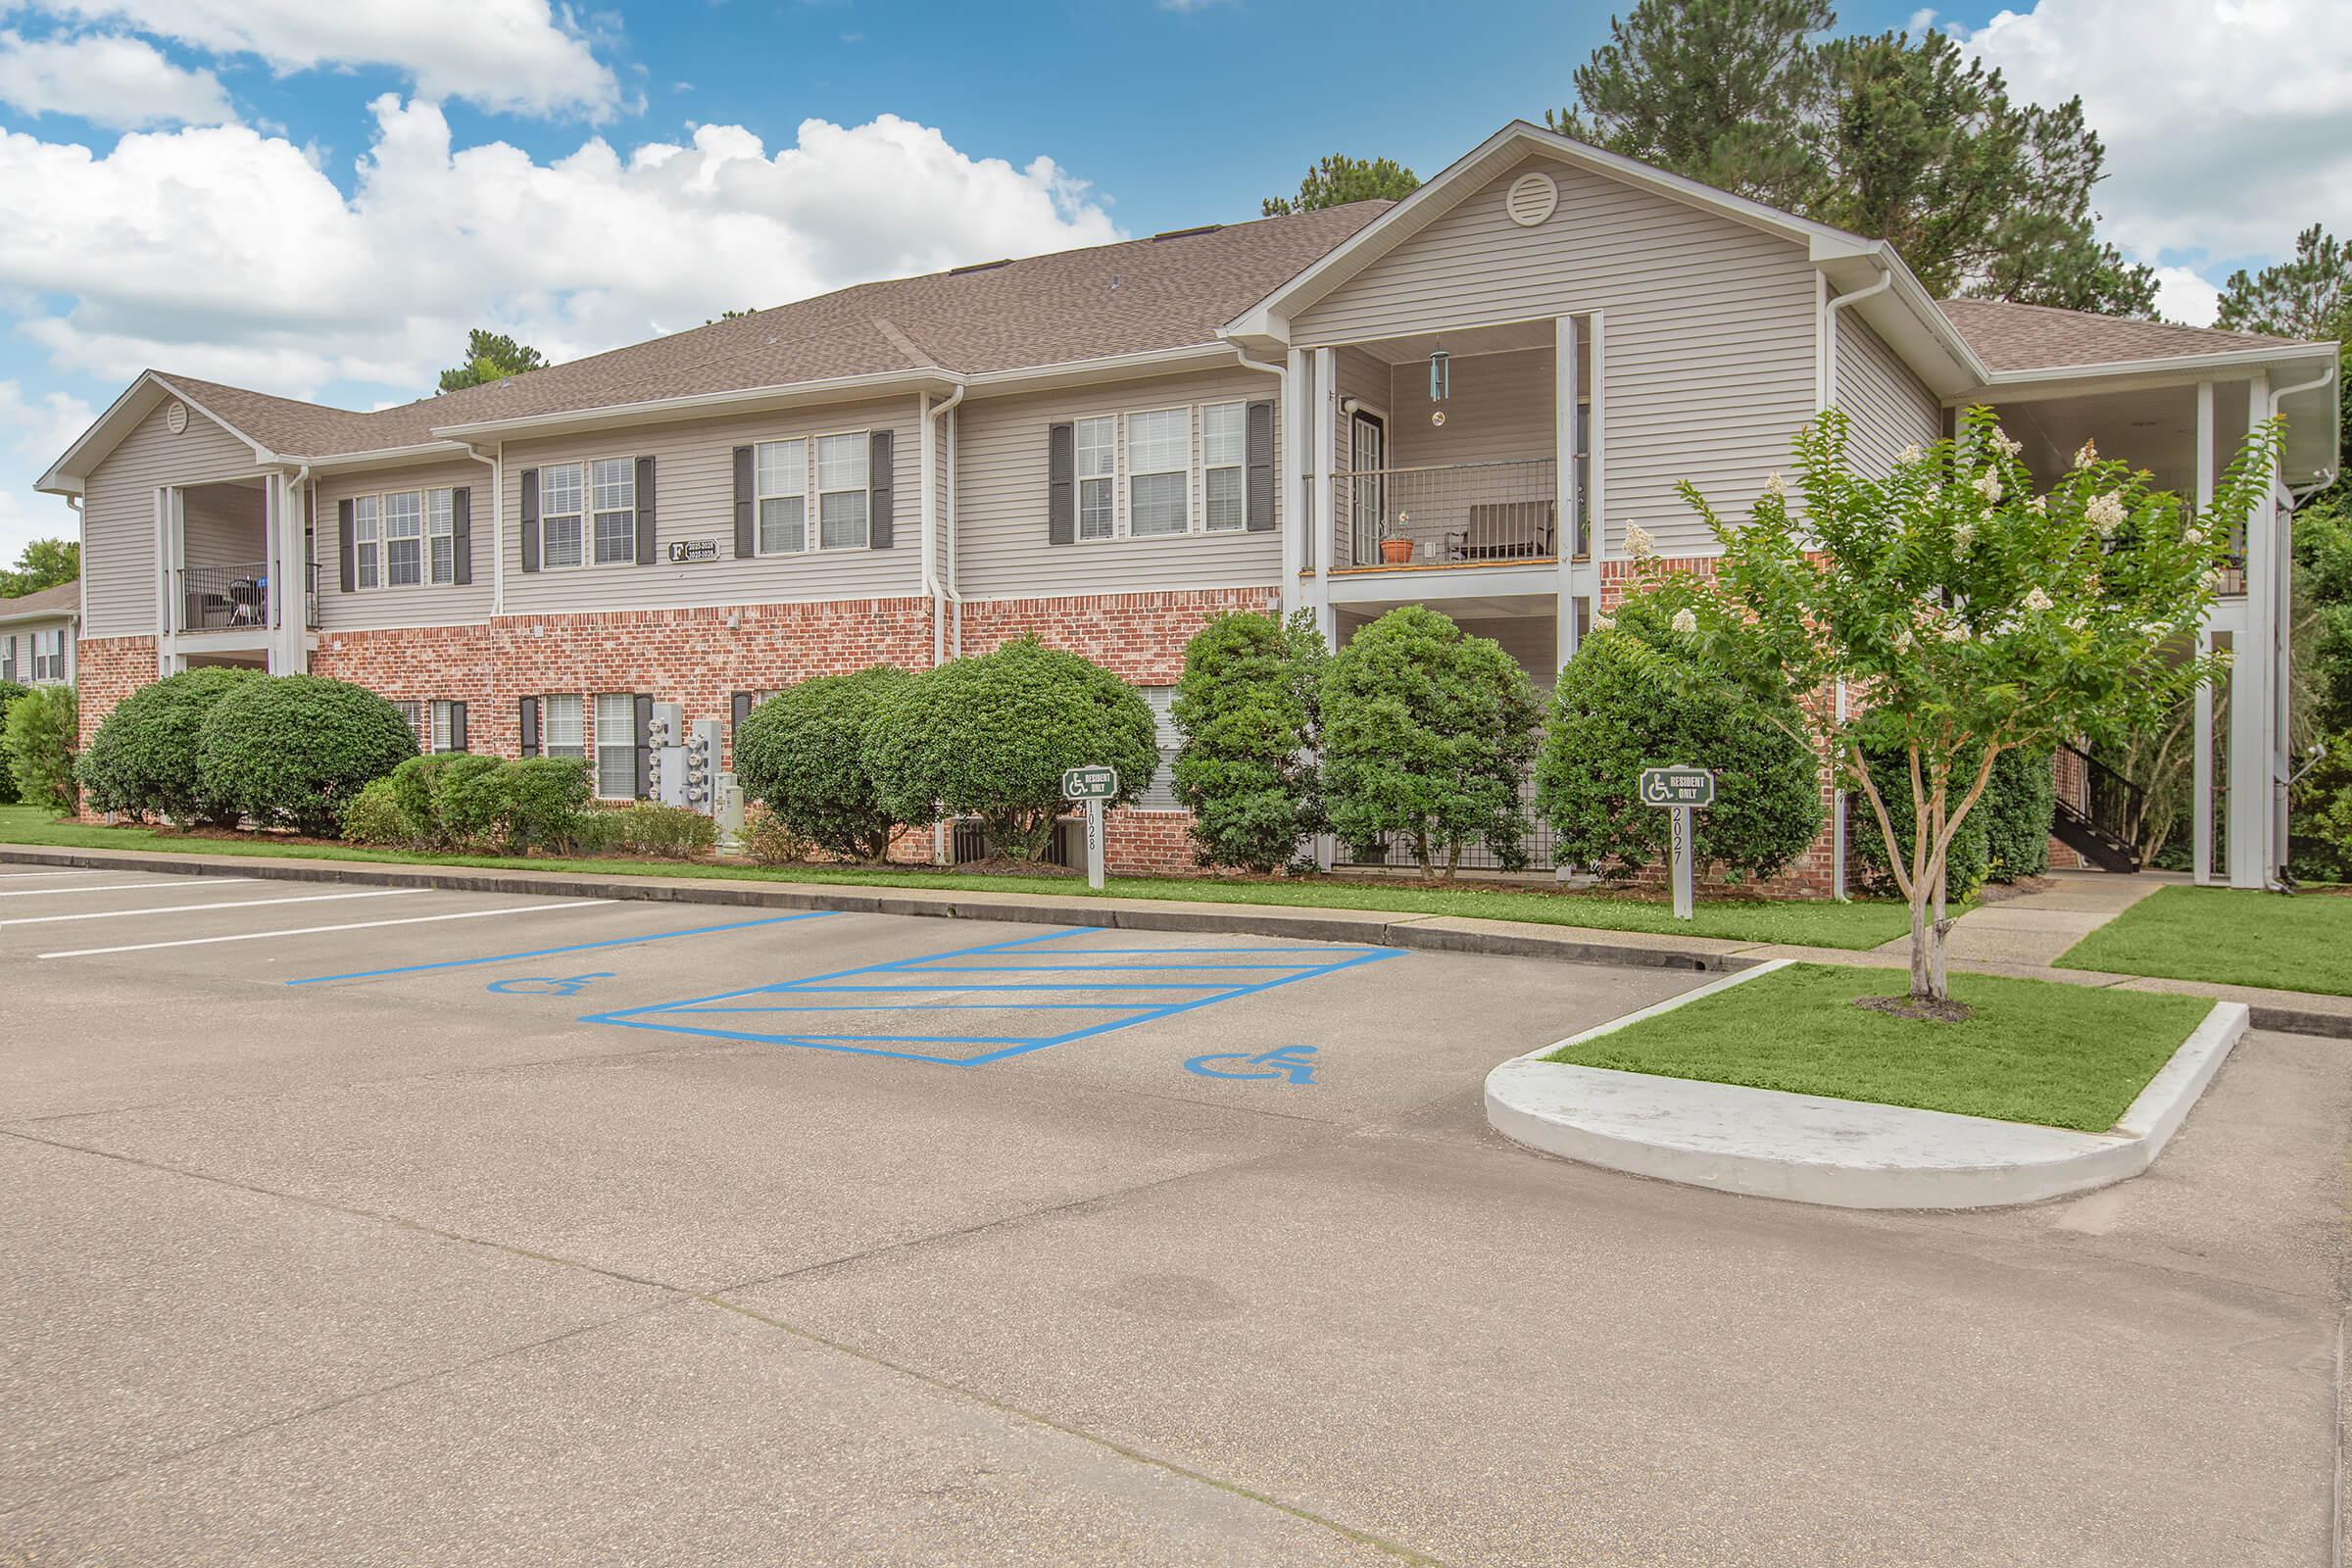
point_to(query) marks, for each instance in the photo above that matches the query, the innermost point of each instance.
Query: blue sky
(318, 199)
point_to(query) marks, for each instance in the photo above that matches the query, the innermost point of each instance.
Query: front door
(1368, 460)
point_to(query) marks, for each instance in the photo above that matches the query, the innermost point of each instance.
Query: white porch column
(1322, 414)
(2251, 678)
(1563, 448)
(1295, 504)
(289, 575)
(2201, 773)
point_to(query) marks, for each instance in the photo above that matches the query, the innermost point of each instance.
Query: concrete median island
(1771, 1082)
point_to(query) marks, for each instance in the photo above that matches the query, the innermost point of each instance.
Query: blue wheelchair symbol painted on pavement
(1288, 1062)
(546, 985)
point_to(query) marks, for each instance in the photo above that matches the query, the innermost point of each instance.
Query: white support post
(1323, 413)
(2251, 674)
(1294, 504)
(1597, 484)
(2201, 772)
(1563, 449)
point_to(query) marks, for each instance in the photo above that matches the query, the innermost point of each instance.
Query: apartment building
(1462, 400)
(37, 636)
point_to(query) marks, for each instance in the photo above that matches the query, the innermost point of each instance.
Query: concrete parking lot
(385, 1226)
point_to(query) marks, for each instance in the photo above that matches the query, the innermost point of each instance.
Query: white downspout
(935, 586)
(1280, 371)
(497, 464)
(2281, 591)
(1829, 400)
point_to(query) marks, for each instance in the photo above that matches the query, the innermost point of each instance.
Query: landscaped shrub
(9, 691)
(2019, 803)
(802, 754)
(662, 832)
(1965, 866)
(376, 816)
(1427, 733)
(1623, 705)
(38, 741)
(469, 805)
(991, 736)
(142, 761)
(767, 841)
(414, 784)
(292, 751)
(541, 800)
(1249, 709)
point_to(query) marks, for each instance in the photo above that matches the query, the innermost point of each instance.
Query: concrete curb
(1434, 933)
(1843, 1154)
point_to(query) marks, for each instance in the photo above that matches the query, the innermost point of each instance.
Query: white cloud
(107, 80)
(222, 251)
(2183, 296)
(519, 55)
(2227, 122)
(34, 431)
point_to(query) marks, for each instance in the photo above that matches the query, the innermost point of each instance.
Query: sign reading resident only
(1090, 783)
(1677, 786)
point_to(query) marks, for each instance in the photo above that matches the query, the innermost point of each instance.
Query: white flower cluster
(1604, 622)
(1955, 630)
(1902, 639)
(2106, 514)
(1684, 622)
(1776, 486)
(2038, 601)
(2008, 448)
(1638, 542)
(1963, 534)
(2040, 505)
(1910, 454)
(2086, 455)
(1989, 485)
(2194, 536)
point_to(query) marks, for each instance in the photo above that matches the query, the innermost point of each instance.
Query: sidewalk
(2021, 947)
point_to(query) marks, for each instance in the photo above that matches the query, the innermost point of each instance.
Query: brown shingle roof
(2037, 337)
(62, 600)
(1169, 292)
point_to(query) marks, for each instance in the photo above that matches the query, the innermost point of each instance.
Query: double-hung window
(841, 482)
(782, 470)
(404, 539)
(440, 536)
(52, 665)
(1160, 471)
(444, 732)
(559, 515)
(411, 713)
(616, 746)
(7, 656)
(1222, 449)
(559, 731)
(366, 545)
(1097, 444)
(616, 499)
(1160, 794)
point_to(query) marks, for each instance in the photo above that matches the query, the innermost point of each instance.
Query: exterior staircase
(2104, 829)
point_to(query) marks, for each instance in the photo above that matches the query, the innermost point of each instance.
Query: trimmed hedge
(142, 761)
(293, 751)
(37, 743)
(376, 817)
(802, 755)
(1619, 708)
(1249, 709)
(9, 691)
(2005, 837)
(458, 799)
(2019, 802)
(991, 736)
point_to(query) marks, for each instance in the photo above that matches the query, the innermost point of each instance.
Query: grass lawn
(2037, 1051)
(1857, 925)
(2230, 935)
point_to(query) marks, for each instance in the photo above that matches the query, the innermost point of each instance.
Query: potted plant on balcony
(1396, 542)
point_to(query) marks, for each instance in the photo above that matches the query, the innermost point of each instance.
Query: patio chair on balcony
(1507, 530)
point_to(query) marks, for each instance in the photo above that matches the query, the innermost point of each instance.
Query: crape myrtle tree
(1968, 615)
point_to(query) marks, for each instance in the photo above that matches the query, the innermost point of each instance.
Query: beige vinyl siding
(1887, 407)
(118, 517)
(694, 493)
(1708, 327)
(1365, 378)
(1500, 411)
(1001, 502)
(225, 525)
(425, 604)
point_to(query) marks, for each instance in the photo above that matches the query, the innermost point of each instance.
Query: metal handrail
(2112, 803)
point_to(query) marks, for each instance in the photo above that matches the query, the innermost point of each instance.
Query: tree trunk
(1923, 971)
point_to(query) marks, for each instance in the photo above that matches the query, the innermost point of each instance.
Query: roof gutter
(832, 389)
(1828, 328)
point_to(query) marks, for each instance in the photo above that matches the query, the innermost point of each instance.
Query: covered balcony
(222, 587)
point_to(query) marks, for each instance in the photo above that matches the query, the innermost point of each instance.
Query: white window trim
(592, 737)
(381, 544)
(759, 497)
(1240, 465)
(1196, 518)
(587, 511)
(1190, 470)
(814, 513)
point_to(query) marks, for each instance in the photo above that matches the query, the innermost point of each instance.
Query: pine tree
(1338, 180)
(490, 357)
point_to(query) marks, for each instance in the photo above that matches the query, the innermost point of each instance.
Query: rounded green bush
(9, 691)
(414, 783)
(1619, 708)
(802, 755)
(542, 799)
(142, 761)
(1249, 709)
(37, 743)
(468, 804)
(2019, 803)
(991, 736)
(293, 751)
(1965, 865)
(375, 818)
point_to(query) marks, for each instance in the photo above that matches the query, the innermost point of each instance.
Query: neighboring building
(1346, 410)
(38, 641)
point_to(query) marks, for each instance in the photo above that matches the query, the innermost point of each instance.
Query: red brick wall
(107, 671)
(1138, 637)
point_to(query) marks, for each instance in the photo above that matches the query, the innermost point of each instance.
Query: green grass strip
(2231, 936)
(1858, 926)
(2037, 1051)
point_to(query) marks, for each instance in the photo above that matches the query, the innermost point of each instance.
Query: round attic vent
(1533, 198)
(175, 416)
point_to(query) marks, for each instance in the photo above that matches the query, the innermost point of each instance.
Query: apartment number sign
(685, 550)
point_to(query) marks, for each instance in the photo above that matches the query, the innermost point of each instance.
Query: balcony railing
(1465, 513)
(234, 597)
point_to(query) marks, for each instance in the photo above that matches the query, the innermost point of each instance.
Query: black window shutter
(644, 742)
(645, 511)
(1258, 476)
(1061, 485)
(461, 537)
(741, 708)
(527, 728)
(457, 726)
(880, 479)
(343, 543)
(746, 539)
(530, 520)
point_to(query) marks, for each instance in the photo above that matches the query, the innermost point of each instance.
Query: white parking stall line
(195, 908)
(181, 884)
(27, 876)
(315, 930)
